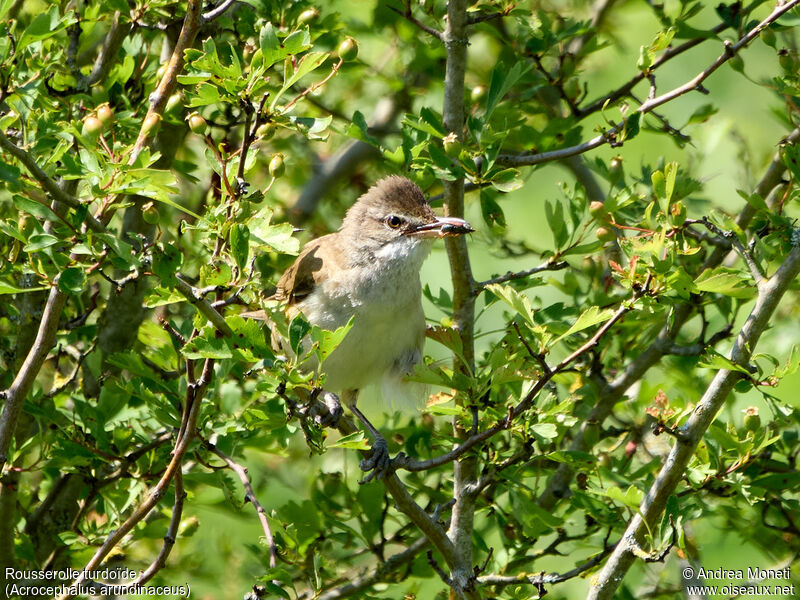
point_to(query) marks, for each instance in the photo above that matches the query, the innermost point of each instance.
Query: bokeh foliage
(155, 228)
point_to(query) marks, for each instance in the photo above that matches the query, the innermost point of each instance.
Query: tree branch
(201, 304)
(611, 392)
(380, 573)
(510, 276)
(649, 105)
(194, 395)
(412, 19)
(48, 184)
(770, 293)
(15, 395)
(250, 496)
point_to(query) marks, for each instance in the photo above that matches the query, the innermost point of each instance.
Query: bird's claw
(329, 411)
(379, 464)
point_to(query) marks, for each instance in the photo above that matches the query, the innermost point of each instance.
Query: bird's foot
(328, 411)
(379, 463)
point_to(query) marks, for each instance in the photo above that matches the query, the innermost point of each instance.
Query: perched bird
(368, 271)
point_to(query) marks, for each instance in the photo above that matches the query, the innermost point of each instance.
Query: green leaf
(44, 25)
(714, 360)
(307, 64)
(239, 239)
(207, 345)
(593, 316)
(631, 497)
(277, 238)
(72, 280)
(327, 341)
(354, 441)
(273, 50)
(503, 79)
(298, 329)
(10, 288)
(728, 282)
(358, 129)
(167, 259)
(507, 180)
(516, 300)
(547, 431)
(40, 241)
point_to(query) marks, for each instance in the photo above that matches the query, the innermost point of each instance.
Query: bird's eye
(394, 221)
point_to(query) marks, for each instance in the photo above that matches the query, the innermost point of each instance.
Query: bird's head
(393, 218)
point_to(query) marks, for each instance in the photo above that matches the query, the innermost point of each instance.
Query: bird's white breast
(384, 298)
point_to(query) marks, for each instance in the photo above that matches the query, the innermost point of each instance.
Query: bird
(367, 271)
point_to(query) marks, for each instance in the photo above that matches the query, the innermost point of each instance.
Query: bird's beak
(441, 227)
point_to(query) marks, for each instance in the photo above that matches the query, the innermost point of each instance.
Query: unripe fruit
(162, 70)
(751, 419)
(308, 16)
(736, 62)
(276, 166)
(615, 169)
(150, 213)
(477, 94)
(597, 209)
(348, 49)
(92, 127)
(174, 106)
(452, 145)
(151, 123)
(198, 124)
(605, 234)
(266, 131)
(105, 114)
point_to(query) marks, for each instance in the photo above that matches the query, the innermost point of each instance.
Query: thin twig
(412, 19)
(755, 269)
(404, 462)
(695, 84)
(250, 496)
(510, 276)
(217, 11)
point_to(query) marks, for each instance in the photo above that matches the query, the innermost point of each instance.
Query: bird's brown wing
(309, 270)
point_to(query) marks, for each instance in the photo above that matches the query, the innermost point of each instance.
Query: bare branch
(412, 19)
(625, 89)
(541, 578)
(15, 395)
(250, 496)
(217, 10)
(510, 276)
(108, 52)
(164, 89)
(195, 298)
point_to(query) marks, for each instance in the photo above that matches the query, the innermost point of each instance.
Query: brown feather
(309, 269)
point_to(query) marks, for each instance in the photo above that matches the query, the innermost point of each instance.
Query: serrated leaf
(519, 302)
(593, 316)
(725, 281)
